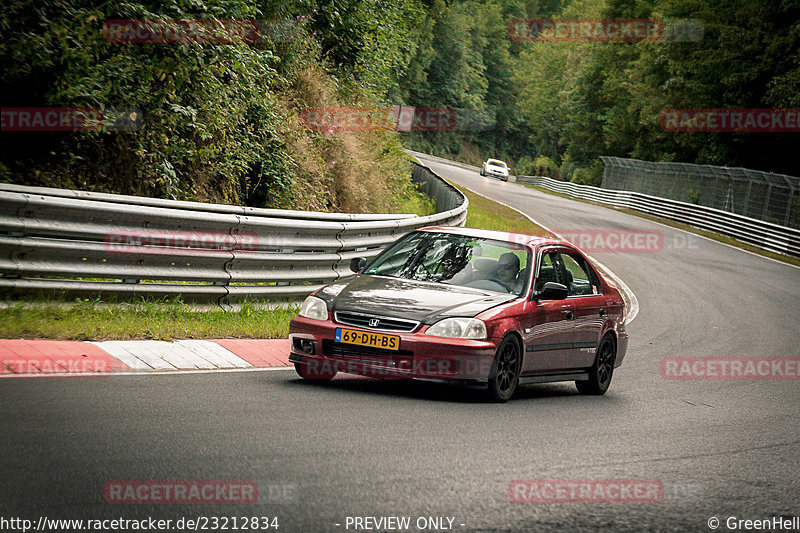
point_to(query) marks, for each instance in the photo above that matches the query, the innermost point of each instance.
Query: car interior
(480, 268)
(484, 269)
(559, 273)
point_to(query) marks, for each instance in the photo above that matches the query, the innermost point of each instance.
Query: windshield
(456, 260)
(496, 163)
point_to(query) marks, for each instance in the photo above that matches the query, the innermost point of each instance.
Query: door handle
(602, 312)
(569, 314)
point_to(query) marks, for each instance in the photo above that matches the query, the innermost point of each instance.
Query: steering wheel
(423, 270)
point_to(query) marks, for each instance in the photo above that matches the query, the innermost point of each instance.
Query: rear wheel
(314, 372)
(504, 375)
(602, 369)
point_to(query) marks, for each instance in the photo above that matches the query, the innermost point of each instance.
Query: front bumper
(419, 356)
(622, 347)
(494, 174)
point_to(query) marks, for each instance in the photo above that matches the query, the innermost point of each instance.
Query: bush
(525, 166)
(582, 176)
(566, 169)
(591, 175)
(544, 166)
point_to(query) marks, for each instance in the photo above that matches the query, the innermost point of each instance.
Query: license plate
(366, 338)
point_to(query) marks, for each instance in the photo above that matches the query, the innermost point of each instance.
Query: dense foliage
(222, 122)
(561, 105)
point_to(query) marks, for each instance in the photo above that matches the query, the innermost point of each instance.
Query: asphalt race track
(363, 448)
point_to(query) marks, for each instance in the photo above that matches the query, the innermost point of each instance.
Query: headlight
(315, 308)
(459, 328)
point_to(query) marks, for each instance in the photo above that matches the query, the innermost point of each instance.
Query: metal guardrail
(774, 198)
(771, 237)
(441, 160)
(80, 243)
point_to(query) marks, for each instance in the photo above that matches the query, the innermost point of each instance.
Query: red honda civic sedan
(464, 305)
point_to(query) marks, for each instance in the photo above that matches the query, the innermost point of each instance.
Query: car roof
(518, 238)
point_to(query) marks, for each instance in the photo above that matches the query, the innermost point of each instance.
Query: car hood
(404, 298)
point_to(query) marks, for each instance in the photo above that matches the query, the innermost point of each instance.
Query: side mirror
(552, 291)
(357, 264)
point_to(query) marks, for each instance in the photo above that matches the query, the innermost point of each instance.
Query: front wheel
(314, 372)
(602, 369)
(504, 375)
(483, 172)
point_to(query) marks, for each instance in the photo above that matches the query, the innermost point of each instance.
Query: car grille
(341, 349)
(384, 324)
(365, 354)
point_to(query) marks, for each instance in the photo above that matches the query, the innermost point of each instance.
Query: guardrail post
(766, 202)
(745, 207)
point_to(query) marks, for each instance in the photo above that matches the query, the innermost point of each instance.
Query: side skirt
(580, 376)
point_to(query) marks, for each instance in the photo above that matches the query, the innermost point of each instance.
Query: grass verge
(488, 214)
(678, 225)
(155, 320)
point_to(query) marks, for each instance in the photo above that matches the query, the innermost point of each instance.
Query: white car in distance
(495, 168)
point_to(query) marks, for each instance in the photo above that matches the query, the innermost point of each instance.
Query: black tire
(506, 367)
(483, 173)
(602, 370)
(314, 374)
